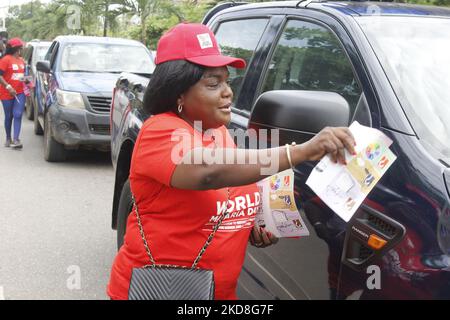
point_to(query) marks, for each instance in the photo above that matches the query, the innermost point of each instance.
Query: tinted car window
(233, 41)
(53, 55)
(50, 51)
(27, 53)
(310, 57)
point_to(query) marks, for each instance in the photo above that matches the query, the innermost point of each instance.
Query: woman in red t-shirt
(179, 194)
(12, 75)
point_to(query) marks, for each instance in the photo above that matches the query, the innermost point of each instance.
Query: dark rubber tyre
(123, 211)
(53, 150)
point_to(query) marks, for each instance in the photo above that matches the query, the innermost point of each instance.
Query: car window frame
(54, 56)
(276, 41)
(215, 25)
(50, 51)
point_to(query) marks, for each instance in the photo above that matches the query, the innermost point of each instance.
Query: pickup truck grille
(100, 104)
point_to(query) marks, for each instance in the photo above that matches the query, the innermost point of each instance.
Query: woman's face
(209, 100)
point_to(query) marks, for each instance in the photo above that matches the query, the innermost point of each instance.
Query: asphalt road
(56, 240)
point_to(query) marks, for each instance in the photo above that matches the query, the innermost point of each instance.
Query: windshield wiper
(87, 71)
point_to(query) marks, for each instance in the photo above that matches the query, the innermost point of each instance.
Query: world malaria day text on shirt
(240, 214)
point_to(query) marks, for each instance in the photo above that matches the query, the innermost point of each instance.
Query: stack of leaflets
(279, 214)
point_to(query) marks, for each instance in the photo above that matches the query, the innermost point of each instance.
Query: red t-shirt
(13, 72)
(177, 222)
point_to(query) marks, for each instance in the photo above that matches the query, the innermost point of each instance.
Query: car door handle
(370, 235)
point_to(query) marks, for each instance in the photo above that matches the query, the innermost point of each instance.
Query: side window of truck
(239, 38)
(49, 52)
(53, 56)
(310, 57)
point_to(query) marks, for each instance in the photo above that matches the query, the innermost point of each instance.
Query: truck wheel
(123, 211)
(37, 126)
(53, 151)
(29, 109)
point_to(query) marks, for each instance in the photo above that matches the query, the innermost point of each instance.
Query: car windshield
(94, 57)
(40, 52)
(415, 55)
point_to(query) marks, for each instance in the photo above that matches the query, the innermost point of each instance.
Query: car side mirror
(43, 66)
(299, 114)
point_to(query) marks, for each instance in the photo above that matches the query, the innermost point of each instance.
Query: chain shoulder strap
(216, 227)
(202, 250)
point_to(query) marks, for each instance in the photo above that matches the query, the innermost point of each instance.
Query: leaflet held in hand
(344, 187)
(279, 214)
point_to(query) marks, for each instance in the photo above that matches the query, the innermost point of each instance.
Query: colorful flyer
(344, 187)
(279, 213)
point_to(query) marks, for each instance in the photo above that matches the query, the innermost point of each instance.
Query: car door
(308, 55)
(309, 51)
(48, 80)
(42, 83)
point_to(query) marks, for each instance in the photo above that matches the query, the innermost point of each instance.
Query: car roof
(102, 40)
(383, 8)
(354, 8)
(39, 43)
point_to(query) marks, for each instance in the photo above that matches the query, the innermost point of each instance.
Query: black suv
(390, 63)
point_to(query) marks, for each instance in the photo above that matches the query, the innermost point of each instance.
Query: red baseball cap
(195, 43)
(15, 42)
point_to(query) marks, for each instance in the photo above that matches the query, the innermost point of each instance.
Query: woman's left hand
(261, 238)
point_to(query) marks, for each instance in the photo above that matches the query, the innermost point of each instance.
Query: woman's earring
(180, 108)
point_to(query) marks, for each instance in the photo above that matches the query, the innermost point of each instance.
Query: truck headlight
(68, 99)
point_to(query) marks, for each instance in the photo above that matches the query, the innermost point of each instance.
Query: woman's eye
(213, 85)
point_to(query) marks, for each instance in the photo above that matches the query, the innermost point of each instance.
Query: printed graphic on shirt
(17, 76)
(240, 214)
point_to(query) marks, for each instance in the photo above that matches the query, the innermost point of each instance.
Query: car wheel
(29, 108)
(123, 211)
(37, 126)
(53, 151)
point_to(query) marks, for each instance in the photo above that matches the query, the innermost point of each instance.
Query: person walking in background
(12, 72)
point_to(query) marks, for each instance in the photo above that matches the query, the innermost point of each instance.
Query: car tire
(123, 211)
(37, 126)
(53, 150)
(29, 108)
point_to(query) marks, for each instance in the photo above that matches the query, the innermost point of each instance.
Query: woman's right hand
(12, 91)
(331, 140)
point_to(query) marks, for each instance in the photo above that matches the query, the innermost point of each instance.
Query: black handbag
(170, 282)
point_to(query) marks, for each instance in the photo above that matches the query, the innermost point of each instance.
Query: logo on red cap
(195, 43)
(205, 40)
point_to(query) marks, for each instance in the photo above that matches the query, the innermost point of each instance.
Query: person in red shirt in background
(179, 201)
(12, 74)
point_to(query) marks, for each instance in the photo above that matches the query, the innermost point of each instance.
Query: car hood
(87, 82)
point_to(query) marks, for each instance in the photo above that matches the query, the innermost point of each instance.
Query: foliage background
(143, 20)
